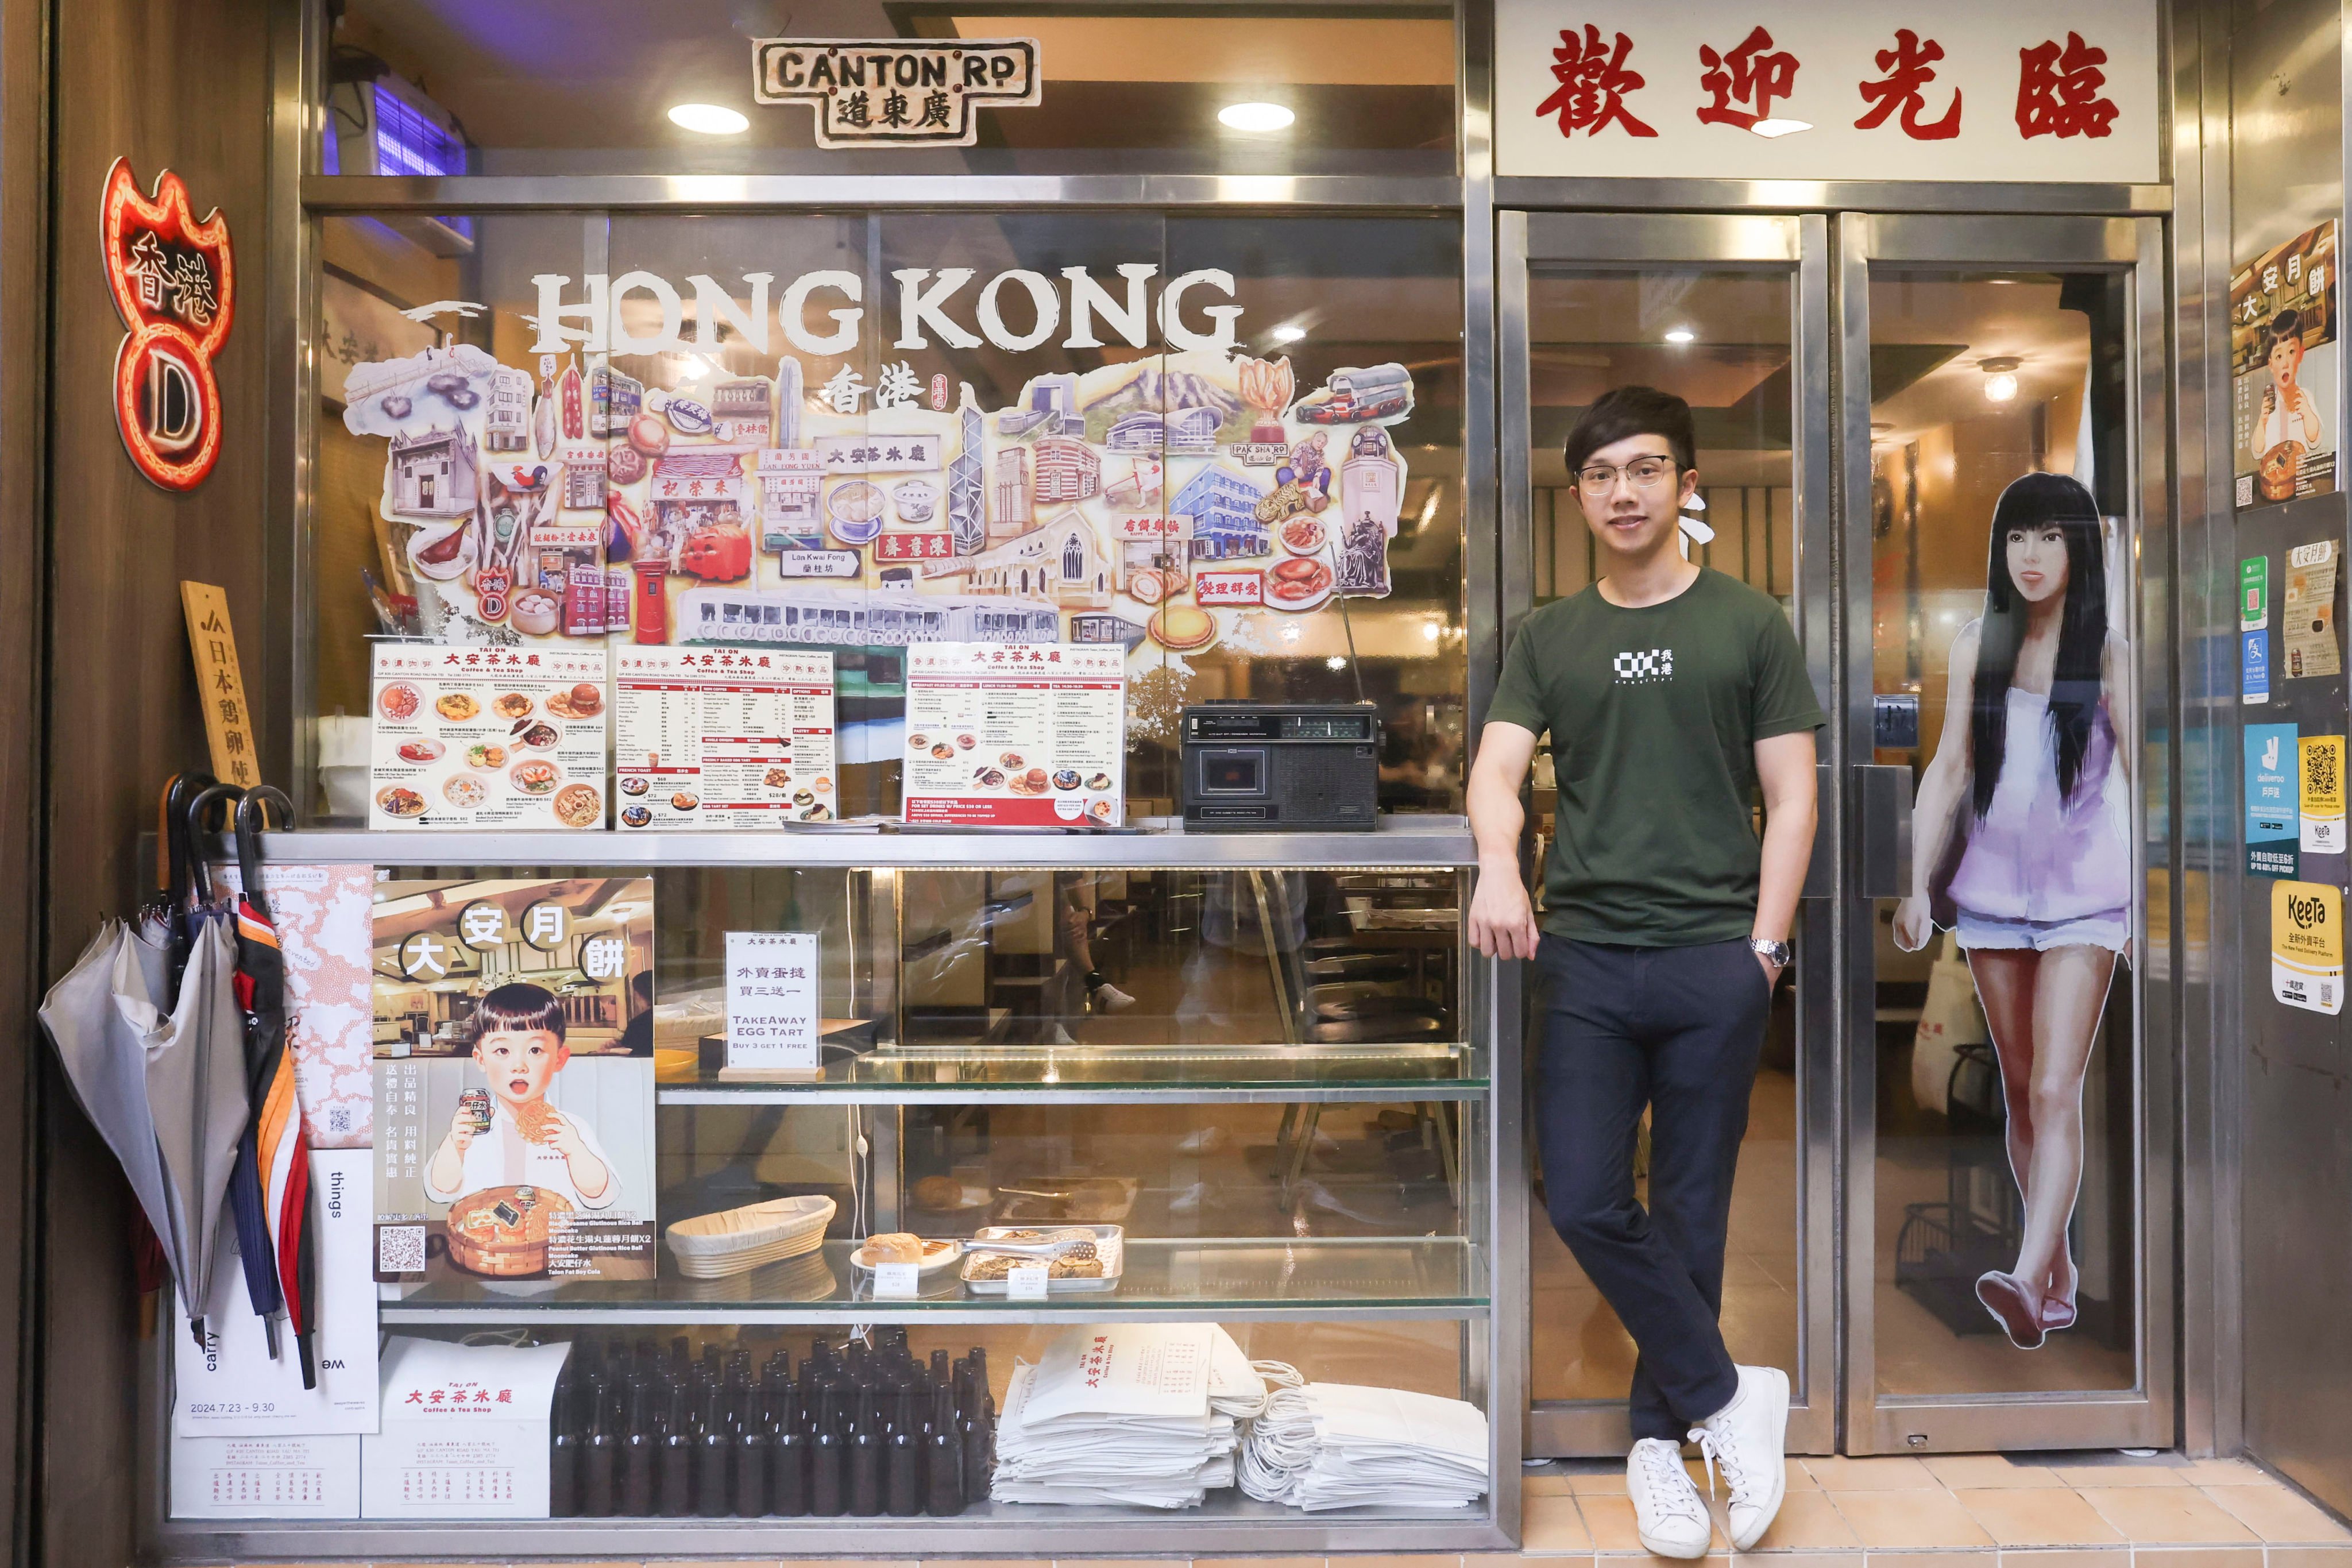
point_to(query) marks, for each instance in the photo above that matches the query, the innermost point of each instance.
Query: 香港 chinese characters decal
(173, 282)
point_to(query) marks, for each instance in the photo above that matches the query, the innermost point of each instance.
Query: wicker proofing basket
(735, 1241)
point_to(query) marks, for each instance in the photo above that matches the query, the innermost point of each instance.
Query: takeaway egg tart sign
(810, 496)
(173, 282)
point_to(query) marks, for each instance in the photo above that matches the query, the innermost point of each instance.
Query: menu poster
(487, 736)
(723, 737)
(1015, 735)
(514, 1079)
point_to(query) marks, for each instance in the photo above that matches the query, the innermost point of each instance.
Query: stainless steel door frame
(2143, 1415)
(1619, 243)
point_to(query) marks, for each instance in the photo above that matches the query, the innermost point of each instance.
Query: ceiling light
(1335, 662)
(1776, 126)
(1291, 633)
(2000, 377)
(1287, 333)
(708, 120)
(1681, 335)
(1256, 117)
(1430, 631)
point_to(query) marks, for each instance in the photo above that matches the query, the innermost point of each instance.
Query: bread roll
(895, 1246)
(939, 1193)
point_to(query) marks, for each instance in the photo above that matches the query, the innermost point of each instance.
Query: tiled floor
(2163, 1513)
(1981, 1510)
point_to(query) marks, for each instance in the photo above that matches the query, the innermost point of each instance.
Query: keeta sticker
(2323, 794)
(2273, 811)
(2307, 946)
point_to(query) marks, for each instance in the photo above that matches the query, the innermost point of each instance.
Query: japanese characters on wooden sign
(174, 287)
(220, 682)
(2005, 91)
(896, 92)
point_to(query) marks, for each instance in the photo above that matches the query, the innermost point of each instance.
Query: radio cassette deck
(1281, 767)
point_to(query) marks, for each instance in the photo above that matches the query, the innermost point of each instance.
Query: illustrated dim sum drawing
(2031, 782)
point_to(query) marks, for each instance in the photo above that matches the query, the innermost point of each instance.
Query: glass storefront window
(1231, 446)
(431, 87)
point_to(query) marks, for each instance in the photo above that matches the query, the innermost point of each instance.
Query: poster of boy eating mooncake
(514, 1079)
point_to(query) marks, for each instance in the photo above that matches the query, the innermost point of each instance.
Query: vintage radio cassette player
(1281, 767)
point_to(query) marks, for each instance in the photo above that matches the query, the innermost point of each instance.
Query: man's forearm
(1788, 851)
(1496, 819)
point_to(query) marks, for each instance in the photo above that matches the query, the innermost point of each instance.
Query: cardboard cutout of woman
(2029, 769)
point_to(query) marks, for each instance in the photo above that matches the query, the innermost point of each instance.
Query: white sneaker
(1668, 1513)
(1109, 998)
(1745, 1442)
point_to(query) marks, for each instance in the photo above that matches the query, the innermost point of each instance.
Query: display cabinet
(1261, 1068)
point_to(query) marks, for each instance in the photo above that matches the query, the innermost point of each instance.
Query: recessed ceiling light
(1335, 662)
(1287, 333)
(708, 120)
(1776, 126)
(1680, 335)
(1256, 117)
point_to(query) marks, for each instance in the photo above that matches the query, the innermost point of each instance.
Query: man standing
(1672, 695)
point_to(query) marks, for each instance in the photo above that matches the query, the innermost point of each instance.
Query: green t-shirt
(1655, 714)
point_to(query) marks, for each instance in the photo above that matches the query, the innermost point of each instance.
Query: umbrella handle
(172, 837)
(192, 847)
(252, 819)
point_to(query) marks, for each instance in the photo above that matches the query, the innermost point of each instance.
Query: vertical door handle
(1883, 842)
(1821, 875)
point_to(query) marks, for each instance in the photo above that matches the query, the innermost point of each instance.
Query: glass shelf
(950, 1073)
(1402, 842)
(1418, 1277)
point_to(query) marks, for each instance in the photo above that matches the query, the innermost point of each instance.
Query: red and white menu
(723, 737)
(487, 736)
(1016, 735)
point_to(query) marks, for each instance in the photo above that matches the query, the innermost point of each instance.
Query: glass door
(2005, 1186)
(1730, 313)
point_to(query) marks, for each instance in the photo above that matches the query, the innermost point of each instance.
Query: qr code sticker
(2245, 489)
(399, 1250)
(2319, 779)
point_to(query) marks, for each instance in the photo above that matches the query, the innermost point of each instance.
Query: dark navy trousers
(1679, 1030)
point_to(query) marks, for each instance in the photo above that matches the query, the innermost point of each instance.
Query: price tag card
(1025, 1282)
(771, 1004)
(895, 1281)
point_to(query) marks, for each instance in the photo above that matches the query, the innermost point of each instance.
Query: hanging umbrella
(281, 1147)
(99, 1018)
(146, 1026)
(248, 1199)
(195, 1084)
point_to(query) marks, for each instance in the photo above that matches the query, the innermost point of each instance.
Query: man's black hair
(1634, 411)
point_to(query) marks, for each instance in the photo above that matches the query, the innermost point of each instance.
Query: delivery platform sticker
(2323, 794)
(2273, 816)
(2254, 666)
(2307, 946)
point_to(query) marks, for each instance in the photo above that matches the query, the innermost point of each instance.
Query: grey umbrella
(100, 1017)
(195, 1084)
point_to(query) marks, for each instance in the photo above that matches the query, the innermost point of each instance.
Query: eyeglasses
(1647, 474)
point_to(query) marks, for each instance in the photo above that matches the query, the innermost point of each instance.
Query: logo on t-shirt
(1646, 667)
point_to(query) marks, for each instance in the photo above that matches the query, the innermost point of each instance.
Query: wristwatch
(1776, 953)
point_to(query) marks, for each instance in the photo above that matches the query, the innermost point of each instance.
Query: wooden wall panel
(23, 152)
(186, 87)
